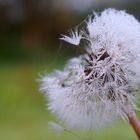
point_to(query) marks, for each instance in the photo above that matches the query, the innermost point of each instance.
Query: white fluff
(74, 38)
(56, 127)
(98, 87)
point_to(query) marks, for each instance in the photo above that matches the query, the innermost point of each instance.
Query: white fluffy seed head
(99, 86)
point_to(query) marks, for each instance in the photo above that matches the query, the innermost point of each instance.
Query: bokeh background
(29, 46)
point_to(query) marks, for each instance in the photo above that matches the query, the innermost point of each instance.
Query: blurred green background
(29, 46)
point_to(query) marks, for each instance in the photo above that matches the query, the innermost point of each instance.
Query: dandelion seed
(56, 127)
(99, 86)
(73, 39)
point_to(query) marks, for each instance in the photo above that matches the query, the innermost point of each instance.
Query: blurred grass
(22, 108)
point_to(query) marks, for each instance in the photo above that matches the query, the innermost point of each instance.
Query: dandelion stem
(135, 123)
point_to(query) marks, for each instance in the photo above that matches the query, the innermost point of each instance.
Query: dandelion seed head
(99, 86)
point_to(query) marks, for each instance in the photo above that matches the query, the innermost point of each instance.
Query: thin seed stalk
(135, 123)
